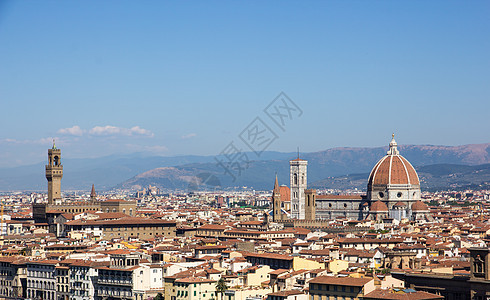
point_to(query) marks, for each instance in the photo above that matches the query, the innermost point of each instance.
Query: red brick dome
(393, 169)
(400, 204)
(378, 206)
(419, 206)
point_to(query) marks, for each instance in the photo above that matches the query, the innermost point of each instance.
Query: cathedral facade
(393, 192)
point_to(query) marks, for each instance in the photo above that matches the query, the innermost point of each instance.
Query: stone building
(41, 279)
(124, 228)
(55, 206)
(393, 191)
(298, 178)
(473, 286)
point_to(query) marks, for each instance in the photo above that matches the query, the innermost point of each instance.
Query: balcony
(113, 281)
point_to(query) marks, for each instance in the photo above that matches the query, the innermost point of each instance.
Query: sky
(190, 77)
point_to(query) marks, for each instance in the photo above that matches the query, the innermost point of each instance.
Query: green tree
(159, 296)
(221, 287)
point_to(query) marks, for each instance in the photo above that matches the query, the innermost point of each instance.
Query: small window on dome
(399, 194)
(381, 194)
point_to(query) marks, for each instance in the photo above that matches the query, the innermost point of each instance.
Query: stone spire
(276, 202)
(276, 186)
(93, 195)
(393, 146)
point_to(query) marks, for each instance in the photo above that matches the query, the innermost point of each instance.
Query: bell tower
(297, 169)
(276, 203)
(310, 204)
(54, 173)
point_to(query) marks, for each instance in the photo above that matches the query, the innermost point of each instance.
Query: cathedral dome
(378, 206)
(419, 206)
(400, 204)
(393, 169)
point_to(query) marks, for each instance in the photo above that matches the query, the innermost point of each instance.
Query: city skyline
(171, 79)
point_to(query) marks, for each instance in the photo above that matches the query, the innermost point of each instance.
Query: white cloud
(136, 130)
(113, 130)
(188, 136)
(75, 130)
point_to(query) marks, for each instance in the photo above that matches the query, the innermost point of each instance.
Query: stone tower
(276, 202)
(310, 204)
(54, 173)
(93, 195)
(297, 173)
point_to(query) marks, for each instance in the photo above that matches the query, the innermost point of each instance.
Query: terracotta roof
(213, 226)
(194, 280)
(298, 159)
(390, 294)
(400, 204)
(419, 206)
(393, 169)
(122, 221)
(378, 206)
(269, 255)
(286, 293)
(278, 271)
(285, 193)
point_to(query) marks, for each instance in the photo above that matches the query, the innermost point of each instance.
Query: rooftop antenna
(298, 152)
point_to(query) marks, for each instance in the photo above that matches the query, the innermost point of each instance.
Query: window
(478, 264)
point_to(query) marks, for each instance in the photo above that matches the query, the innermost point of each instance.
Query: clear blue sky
(173, 78)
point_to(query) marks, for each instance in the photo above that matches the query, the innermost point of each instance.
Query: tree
(221, 287)
(159, 296)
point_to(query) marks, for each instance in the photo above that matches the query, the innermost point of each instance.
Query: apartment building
(41, 279)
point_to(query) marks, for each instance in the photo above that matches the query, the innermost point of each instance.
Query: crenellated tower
(54, 173)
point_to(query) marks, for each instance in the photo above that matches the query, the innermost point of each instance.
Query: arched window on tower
(56, 160)
(295, 180)
(478, 265)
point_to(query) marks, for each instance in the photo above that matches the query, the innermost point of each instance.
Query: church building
(393, 191)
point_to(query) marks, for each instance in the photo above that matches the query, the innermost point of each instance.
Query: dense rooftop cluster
(199, 246)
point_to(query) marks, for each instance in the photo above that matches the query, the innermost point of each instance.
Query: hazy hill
(432, 178)
(137, 170)
(332, 164)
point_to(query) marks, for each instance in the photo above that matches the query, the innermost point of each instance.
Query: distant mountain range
(432, 178)
(440, 167)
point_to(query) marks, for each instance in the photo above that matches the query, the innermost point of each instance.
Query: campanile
(54, 173)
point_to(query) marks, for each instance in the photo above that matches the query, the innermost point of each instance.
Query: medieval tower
(310, 204)
(276, 203)
(54, 173)
(297, 172)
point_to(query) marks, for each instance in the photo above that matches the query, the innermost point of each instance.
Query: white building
(41, 279)
(297, 174)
